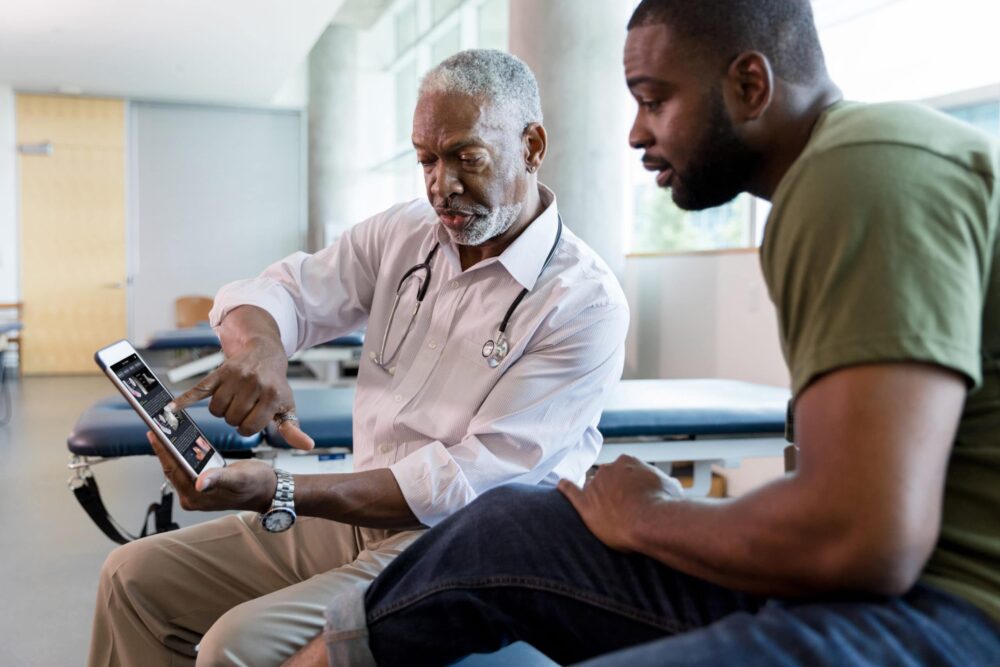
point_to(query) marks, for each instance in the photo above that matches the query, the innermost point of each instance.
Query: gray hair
(495, 76)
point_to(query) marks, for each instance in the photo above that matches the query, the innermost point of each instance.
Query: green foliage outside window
(662, 227)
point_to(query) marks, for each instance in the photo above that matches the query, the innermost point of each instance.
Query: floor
(50, 549)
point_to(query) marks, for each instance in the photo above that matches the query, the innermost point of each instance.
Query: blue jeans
(519, 564)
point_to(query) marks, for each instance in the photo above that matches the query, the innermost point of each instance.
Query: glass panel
(406, 101)
(985, 115)
(441, 9)
(494, 21)
(448, 44)
(662, 227)
(406, 28)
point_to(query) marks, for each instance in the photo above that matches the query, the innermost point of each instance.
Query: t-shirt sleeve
(877, 254)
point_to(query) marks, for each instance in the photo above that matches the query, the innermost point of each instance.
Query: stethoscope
(494, 350)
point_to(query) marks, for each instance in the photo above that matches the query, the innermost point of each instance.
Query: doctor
(494, 336)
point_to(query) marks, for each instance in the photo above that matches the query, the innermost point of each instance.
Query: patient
(882, 256)
(436, 422)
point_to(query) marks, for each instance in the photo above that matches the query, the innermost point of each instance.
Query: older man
(882, 256)
(494, 335)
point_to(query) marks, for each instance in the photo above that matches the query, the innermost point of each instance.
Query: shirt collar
(525, 257)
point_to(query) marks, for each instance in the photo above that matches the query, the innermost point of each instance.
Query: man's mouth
(454, 219)
(664, 176)
(664, 171)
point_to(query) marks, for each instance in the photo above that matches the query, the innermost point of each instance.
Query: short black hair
(783, 30)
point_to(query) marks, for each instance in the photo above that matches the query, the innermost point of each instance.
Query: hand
(247, 485)
(250, 389)
(613, 500)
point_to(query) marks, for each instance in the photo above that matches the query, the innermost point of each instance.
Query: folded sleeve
(538, 423)
(315, 298)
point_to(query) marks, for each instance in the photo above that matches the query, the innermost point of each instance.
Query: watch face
(278, 519)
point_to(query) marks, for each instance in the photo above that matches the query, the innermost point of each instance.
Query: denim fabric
(519, 564)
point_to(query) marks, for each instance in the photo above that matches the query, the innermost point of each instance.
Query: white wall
(702, 316)
(9, 241)
(217, 194)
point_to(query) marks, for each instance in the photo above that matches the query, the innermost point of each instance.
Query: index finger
(203, 389)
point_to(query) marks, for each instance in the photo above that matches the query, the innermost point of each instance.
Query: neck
(794, 124)
(470, 255)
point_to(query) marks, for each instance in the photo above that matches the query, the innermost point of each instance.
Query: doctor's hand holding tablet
(249, 390)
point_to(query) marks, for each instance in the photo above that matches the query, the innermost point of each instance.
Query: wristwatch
(281, 516)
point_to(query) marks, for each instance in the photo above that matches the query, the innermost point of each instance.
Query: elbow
(884, 563)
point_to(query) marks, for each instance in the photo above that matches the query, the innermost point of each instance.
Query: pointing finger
(203, 389)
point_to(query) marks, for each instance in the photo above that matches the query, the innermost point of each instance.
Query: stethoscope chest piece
(496, 352)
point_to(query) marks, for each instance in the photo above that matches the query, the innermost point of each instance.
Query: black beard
(721, 168)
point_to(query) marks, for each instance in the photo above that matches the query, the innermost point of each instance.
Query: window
(423, 33)
(876, 50)
(984, 115)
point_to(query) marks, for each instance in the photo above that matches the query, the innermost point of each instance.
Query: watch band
(285, 491)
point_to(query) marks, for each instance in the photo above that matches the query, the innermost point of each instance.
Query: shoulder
(581, 277)
(866, 146)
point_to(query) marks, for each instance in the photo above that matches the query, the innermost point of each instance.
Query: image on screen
(153, 398)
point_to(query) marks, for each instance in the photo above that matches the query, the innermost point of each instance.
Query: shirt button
(386, 448)
(397, 398)
(433, 345)
(454, 284)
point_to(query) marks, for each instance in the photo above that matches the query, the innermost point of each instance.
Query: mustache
(459, 208)
(654, 163)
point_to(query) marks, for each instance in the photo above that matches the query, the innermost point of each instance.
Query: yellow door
(72, 229)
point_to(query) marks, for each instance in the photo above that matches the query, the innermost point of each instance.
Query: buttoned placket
(441, 307)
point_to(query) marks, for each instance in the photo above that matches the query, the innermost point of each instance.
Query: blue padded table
(111, 429)
(703, 421)
(659, 421)
(204, 338)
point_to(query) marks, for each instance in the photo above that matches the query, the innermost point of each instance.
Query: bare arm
(862, 513)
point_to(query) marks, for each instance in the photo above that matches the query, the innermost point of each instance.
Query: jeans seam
(670, 626)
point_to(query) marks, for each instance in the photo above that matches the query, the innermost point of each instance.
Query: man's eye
(425, 163)
(651, 105)
(472, 160)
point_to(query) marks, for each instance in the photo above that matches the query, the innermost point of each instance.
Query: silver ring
(283, 417)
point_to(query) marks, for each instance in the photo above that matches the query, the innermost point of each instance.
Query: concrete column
(575, 50)
(333, 103)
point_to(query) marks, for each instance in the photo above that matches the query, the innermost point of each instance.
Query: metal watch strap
(285, 490)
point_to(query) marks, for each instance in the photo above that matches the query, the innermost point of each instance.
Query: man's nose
(639, 136)
(446, 181)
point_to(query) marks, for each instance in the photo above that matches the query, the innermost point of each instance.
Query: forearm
(780, 540)
(371, 498)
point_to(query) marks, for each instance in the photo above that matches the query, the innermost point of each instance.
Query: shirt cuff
(432, 483)
(265, 294)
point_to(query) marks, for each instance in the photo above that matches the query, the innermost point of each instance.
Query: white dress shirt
(446, 424)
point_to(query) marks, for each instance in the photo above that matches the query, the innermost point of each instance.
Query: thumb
(208, 479)
(573, 494)
(295, 436)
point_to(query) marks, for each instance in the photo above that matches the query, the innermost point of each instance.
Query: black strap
(89, 497)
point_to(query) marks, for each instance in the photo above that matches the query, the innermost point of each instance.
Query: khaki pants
(239, 594)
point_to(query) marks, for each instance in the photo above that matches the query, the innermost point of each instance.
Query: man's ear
(535, 142)
(749, 86)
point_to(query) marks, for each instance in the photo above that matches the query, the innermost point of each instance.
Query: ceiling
(218, 51)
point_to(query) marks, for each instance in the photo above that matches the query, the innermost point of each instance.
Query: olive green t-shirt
(882, 245)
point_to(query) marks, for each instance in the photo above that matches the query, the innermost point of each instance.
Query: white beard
(483, 228)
